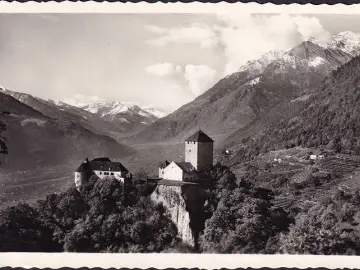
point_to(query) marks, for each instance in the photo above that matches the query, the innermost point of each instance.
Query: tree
(242, 218)
(22, 230)
(3, 147)
(329, 227)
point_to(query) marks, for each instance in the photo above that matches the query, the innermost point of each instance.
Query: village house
(198, 159)
(102, 168)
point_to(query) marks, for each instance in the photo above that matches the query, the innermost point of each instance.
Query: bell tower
(199, 149)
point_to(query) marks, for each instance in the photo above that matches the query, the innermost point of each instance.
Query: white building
(101, 167)
(198, 159)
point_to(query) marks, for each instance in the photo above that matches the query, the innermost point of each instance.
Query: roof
(107, 166)
(185, 166)
(102, 159)
(199, 136)
(164, 164)
(101, 164)
(85, 166)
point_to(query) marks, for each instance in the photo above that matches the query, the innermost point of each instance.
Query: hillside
(328, 118)
(242, 98)
(63, 111)
(34, 139)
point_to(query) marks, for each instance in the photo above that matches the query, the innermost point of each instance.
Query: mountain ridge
(242, 97)
(34, 139)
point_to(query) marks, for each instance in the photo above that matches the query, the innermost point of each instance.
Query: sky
(162, 60)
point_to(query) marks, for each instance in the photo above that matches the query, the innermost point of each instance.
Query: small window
(189, 150)
(162, 172)
(112, 173)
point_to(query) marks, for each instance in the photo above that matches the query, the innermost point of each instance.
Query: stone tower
(199, 149)
(83, 173)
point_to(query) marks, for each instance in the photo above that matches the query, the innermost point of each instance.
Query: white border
(143, 7)
(162, 261)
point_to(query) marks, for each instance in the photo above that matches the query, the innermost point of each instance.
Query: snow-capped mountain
(63, 111)
(125, 115)
(158, 113)
(347, 41)
(239, 100)
(339, 50)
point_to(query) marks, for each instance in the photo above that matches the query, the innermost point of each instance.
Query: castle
(198, 159)
(101, 167)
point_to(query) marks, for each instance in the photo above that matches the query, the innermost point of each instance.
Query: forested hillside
(328, 117)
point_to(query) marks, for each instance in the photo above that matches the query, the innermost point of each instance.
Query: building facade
(199, 150)
(102, 168)
(198, 158)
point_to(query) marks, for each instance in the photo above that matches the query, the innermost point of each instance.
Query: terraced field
(347, 176)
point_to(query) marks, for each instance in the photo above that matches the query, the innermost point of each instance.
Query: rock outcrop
(185, 204)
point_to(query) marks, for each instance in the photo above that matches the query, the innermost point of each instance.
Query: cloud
(244, 37)
(248, 37)
(194, 78)
(195, 33)
(163, 69)
(81, 100)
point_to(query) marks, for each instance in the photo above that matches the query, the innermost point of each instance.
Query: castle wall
(161, 172)
(205, 156)
(199, 154)
(79, 179)
(191, 153)
(173, 172)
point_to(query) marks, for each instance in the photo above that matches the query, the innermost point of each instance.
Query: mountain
(63, 111)
(240, 99)
(347, 41)
(328, 118)
(124, 115)
(35, 139)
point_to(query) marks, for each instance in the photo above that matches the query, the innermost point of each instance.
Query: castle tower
(83, 173)
(199, 149)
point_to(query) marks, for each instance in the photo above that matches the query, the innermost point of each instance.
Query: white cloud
(200, 78)
(244, 37)
(195, 33)
(248, 37)
(81, 100)
(162, 69)
(195, 78)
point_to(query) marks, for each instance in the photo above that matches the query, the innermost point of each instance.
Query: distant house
(101, 167)
(198, 159)
(314, 157)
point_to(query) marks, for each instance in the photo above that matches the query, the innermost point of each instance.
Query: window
(162, 172)
(189, 150)
(112, 173)
(100, 173)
